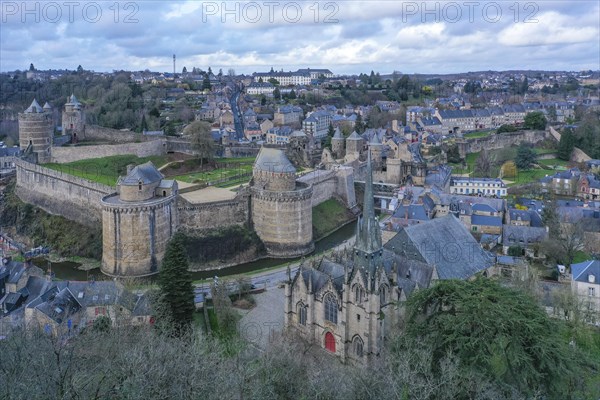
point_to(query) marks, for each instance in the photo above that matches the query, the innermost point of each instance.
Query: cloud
(366, 35)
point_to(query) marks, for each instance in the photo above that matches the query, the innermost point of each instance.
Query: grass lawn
(544, 151)
(581, 256)
(328, 216)
(552, 162)
(199, 322)
(220, 173)
(105, 170)
(528, 176)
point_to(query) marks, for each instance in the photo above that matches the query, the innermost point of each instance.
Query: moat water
(69, 270)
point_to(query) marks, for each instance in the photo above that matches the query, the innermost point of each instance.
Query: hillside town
(311, 203)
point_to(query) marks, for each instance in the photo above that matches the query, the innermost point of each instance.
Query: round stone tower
(137, 222)
(354, 143)
(337, 144)
(36, 131)
(73, 118)
(281, 206)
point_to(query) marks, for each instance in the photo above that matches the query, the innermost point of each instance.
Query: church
(349, 303)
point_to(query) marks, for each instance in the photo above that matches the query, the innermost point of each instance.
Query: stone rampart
(59, 193)
(324, 185)
(213, 215)
(499, 141)
(101, 133)
(63, 155)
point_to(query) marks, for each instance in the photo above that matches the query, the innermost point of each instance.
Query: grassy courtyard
(479, 134)
(217, 174)
(105, 170)
(328, 216)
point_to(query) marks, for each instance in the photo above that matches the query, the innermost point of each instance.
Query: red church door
(330, 342)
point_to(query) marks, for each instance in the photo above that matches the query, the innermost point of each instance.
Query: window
(330, 308)
(357, 345)
(358, 317)
(139, 185)
(382, 295)
(302, 311)
(591, 292)
(358, 294)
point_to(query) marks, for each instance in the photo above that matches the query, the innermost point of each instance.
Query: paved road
(271, 278)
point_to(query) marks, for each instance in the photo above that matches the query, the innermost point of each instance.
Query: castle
(395, 160)
(141, 214)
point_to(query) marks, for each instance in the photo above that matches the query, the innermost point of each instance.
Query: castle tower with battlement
(281, 206)
(36, 130)
(73, 119)
(137, 222)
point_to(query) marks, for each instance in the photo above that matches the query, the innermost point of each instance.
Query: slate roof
(513, 235)
(446, 244)
(273, 160)
(146, 173)
(481, 207)
(354, 136)
(34, 108)
(9, 151)
(485, 220)
(581, 271)
(516, 215)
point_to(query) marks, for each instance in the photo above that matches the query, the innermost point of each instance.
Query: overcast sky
(344, 36)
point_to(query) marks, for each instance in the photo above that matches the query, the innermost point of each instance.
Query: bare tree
(202, 142)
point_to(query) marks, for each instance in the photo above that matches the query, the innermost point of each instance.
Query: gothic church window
(331, 308)
(357, 345)
(302, 311)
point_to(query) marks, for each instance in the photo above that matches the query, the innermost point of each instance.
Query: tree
(499, 332)
(231, 72)
(202, 141)
(79, 69)
(31, 67)
(206, 83)
(292, 94)
(175, 282)
(566, 144)
(506, 128)
(263, 100)
(453, 154)
(184, 71)
(359, 126)
(508, 170)
(484, 164)
(143, 124)
(525, 156)
(273, 81)
(102, 324)
(535, 120)
(277, 94)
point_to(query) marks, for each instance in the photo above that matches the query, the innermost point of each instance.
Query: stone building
(73, 118)
(337, 144)
(36, 131)
(137, 222)
(281, 206)
(349, 304)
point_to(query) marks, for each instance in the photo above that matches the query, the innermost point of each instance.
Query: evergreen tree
(143, 124)
(525, 156)
(206, 84)
(184, 71)
(175, 282)
(31, 67)
(566, 145)
(79, 69)
(359, 125)
(277, 94)
(292, 95)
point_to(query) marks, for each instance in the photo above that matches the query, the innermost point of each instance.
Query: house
(585, 284)
(490, 187)
(522, 236)
(258, 88)
(8, 155)
(588, 187)
(286, 115)
(279, 135)
(317, 124)
(518, 217)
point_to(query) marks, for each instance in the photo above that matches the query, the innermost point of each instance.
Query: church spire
(368, 248)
